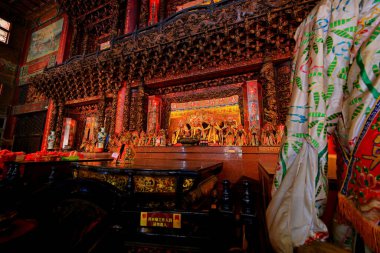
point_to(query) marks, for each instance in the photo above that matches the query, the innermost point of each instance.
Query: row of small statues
(230, 136)
(212, 134)
(137, 139)
(228, 133)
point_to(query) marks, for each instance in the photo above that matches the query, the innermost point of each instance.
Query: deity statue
(135, 138)
(182, 131)
(229, 137)
(267, 137)
(229, 132)
(151, 139)
(161, 138)
(197, 130)
(279, 133)
(255, 135)
(101, 138)
(241, 136)
(142, 139)
(51, 140)
(214, 131)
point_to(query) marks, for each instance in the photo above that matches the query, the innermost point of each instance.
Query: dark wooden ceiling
(26, 7)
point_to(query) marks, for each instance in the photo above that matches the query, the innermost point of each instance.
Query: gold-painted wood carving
(150, 184)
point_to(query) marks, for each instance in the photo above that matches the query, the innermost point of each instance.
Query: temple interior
(144, 125)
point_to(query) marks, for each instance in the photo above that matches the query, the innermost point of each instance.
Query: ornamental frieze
(206, 40)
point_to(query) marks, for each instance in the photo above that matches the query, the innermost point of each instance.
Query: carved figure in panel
(270, 99)
(34, 95)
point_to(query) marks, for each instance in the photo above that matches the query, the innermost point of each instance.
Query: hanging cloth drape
(335, 77)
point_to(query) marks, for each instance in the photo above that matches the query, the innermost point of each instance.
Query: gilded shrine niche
(228, 115)
(212, 121)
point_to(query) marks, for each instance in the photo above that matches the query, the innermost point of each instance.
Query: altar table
(176, 183)
(167, 203)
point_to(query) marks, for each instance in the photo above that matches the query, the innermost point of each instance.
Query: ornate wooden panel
(172, 5)
(230, 35)
(94, 22)
(283, 90)
(133, 110)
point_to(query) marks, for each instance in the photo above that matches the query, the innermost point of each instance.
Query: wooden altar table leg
(130, 186)
(247, 201)
(13, 172)
(226, 196)
(52, 175)
(249, 218)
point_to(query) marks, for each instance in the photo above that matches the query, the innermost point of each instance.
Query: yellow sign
(157, 219)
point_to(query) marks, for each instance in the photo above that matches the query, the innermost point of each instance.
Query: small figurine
(101, 138)
(151, 139)
(51, 140)
(162, 137)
